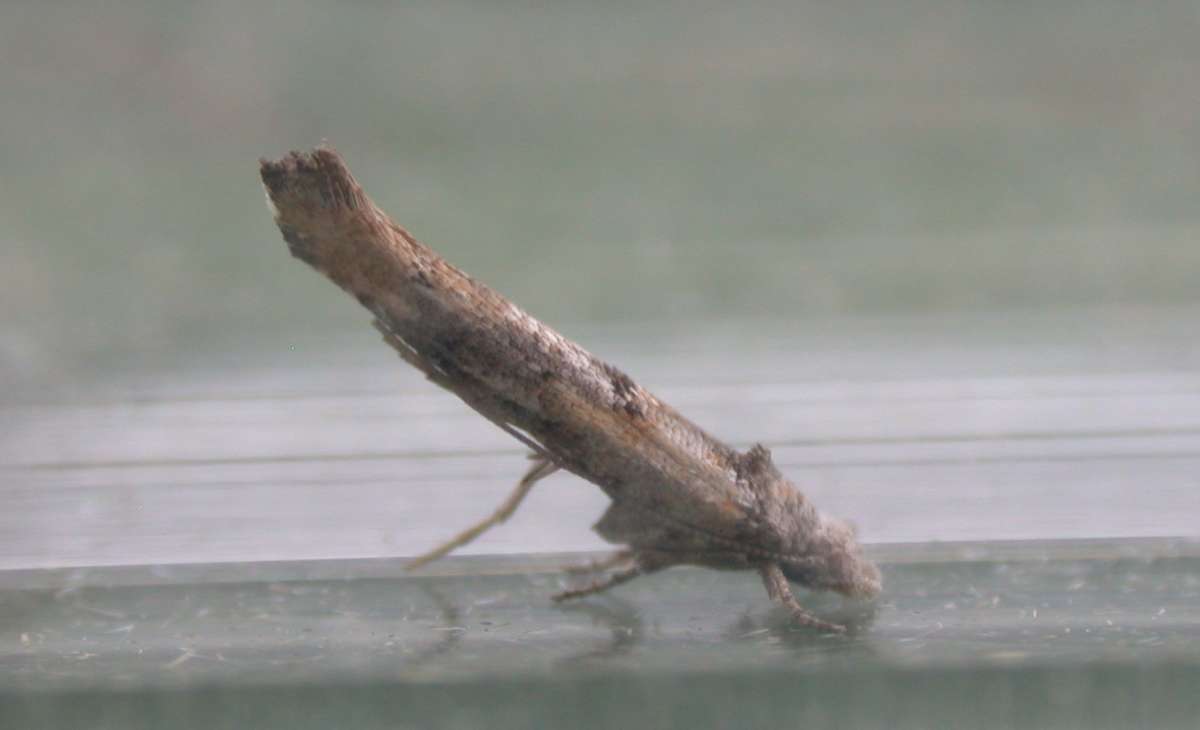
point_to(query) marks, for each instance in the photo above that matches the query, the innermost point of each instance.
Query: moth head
(833, 561)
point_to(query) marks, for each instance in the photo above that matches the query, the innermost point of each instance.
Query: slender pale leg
(779, 590)
(541, 468)
(602, 584)
(643, 564)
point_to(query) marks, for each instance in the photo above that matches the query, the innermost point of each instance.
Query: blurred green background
(594, 161)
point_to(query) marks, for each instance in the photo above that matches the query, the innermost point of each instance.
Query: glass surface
(1096, 634)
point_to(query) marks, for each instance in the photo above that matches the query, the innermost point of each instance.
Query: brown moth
(679, 496)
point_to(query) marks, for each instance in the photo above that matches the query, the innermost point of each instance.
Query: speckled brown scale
(679, 495)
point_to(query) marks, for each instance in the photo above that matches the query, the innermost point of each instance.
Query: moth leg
(409, 354)
(542, 467)
(616, 560)
(642, 565)
(778, 589)
(600, 585)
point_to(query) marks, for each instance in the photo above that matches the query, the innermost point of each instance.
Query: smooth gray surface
(1078, 424)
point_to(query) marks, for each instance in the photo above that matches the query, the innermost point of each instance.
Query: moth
(679, 495)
